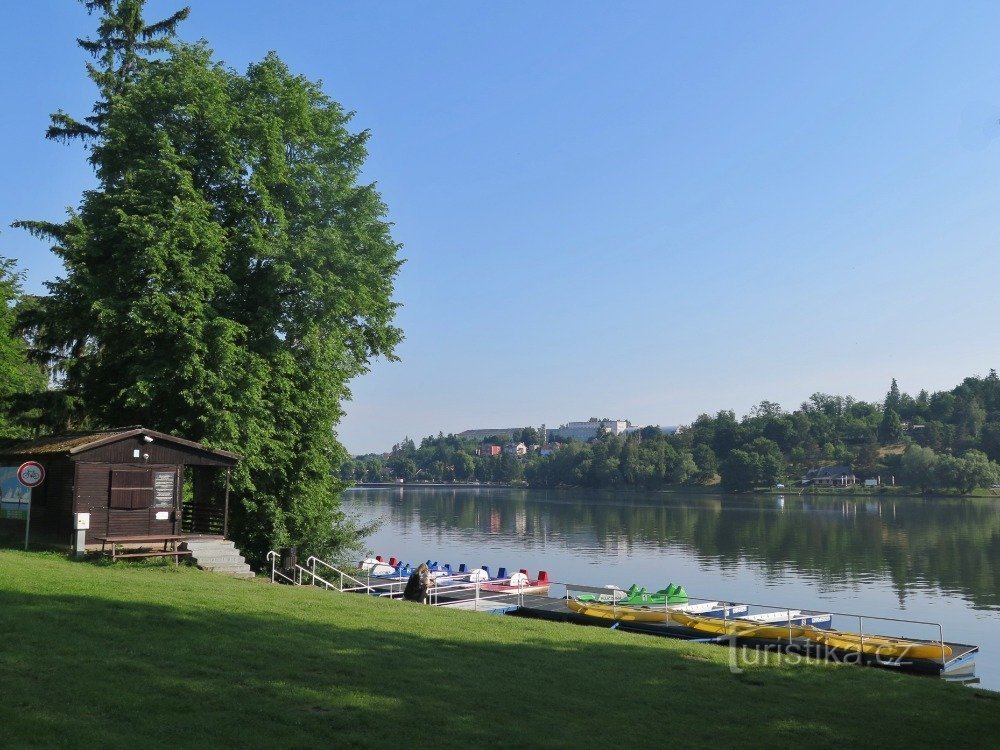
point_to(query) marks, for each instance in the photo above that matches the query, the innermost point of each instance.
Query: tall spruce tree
(230, 274)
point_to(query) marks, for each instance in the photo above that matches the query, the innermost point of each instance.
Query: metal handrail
(479, 596)
(312, 560)
(727, 604)
(274, 557)
(315, 577)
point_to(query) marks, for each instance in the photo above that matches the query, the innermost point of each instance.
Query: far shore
(874, 493)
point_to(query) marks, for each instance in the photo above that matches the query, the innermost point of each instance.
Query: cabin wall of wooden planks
(93, 494)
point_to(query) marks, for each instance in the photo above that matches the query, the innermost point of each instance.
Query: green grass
(119, 655)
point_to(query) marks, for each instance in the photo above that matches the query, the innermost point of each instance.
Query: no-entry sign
(31, 474)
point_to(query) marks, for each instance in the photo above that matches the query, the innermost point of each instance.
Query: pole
(27, 522)
(225, 517)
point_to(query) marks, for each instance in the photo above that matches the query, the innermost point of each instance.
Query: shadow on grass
(87, 670)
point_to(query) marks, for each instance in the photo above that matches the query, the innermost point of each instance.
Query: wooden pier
(544, 606)
(550, 602)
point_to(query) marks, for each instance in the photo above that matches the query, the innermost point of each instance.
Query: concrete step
(226, 568)
(248, 574)
(201, 548)
(234, 559)
(196, 545)
(218, 556)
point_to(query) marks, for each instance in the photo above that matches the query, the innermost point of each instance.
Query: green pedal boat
(639, 597)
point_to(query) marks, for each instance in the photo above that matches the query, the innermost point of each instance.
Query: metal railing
(448, 584)
(298, 571)
(312, 561)
(392, 586)
(802, 616)
(275, 573)
(486, 592)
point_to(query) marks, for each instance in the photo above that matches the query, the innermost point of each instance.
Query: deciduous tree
(230, 273)
(18, 376)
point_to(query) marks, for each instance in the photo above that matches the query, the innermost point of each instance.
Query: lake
(934, 560)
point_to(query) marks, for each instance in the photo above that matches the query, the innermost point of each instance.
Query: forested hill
(947, 440)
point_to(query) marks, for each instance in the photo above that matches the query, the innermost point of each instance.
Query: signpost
(31, 474)
(16, 484)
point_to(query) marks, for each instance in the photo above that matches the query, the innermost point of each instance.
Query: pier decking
(550, 603)
(544, 606)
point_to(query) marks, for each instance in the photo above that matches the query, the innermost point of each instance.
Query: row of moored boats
(445, 576)
(671, 606)
(719, 620)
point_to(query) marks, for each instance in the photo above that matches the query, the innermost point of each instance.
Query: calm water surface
(935, 560)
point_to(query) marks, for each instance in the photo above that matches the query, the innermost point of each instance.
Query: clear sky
(643, 210)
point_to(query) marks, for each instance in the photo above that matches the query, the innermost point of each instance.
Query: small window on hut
(131, 489)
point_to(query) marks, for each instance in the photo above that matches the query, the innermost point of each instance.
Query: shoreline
(884, 492)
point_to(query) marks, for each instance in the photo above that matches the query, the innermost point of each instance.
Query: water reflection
(923, 546)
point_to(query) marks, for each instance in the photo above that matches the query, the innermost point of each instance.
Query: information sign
(163, 489)
(15, 494)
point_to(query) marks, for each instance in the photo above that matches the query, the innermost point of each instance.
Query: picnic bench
(169, 546)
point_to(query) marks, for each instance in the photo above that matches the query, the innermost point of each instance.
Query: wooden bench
(169, 546)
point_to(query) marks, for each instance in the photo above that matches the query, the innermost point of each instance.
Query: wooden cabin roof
(70, 444)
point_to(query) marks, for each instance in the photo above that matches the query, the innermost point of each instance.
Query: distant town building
(516, 449)
(489, 450)
(589, 430)
(830, 476)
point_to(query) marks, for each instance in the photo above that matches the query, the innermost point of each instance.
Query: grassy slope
(148, 656)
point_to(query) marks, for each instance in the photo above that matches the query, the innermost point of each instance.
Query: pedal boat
(639, 597)
(519, 582)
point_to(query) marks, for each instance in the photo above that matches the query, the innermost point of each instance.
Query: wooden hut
(130, 480)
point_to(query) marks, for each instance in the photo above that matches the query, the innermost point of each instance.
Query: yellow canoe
(625, 614)
(881, 646)
(739, 628)
(873, 645)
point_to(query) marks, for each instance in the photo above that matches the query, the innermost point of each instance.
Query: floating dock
(543, 606)
(550, 603)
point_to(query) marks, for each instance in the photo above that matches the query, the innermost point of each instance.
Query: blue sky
(645, 211)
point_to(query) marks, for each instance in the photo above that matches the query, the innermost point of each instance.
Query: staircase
(218, 556)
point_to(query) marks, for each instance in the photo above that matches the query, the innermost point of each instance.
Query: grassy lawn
(149, 655)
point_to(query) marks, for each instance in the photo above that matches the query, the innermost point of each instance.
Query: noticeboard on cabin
(164, 489)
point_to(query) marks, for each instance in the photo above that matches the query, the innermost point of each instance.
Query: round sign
(31, 474)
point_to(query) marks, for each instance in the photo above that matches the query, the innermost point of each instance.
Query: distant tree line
(442, 459)
(948, 440)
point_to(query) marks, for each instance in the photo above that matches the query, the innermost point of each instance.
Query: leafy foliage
(230, 274)
(19, 378)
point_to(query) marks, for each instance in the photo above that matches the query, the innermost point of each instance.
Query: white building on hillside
(589, 430)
